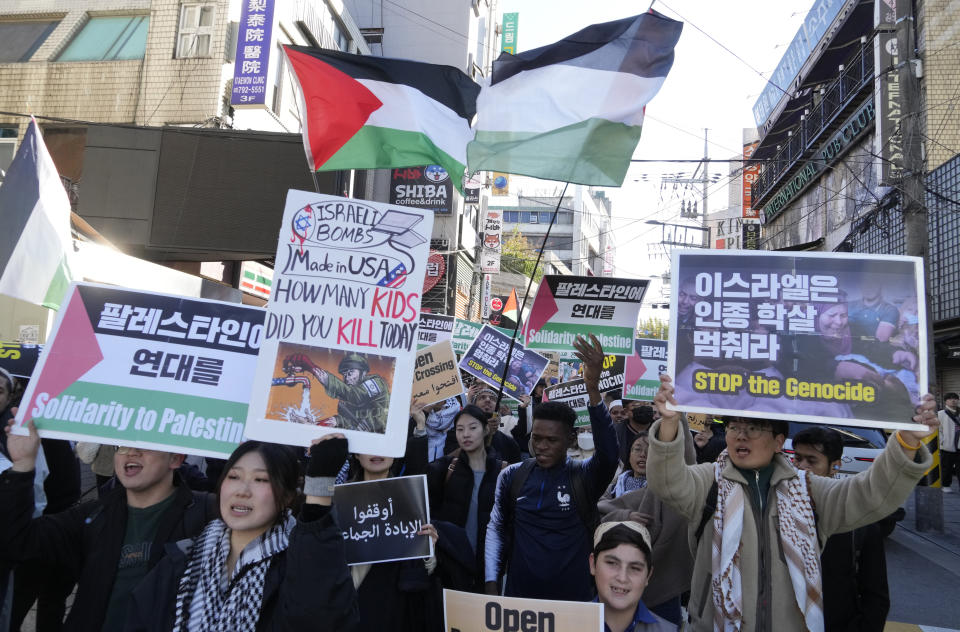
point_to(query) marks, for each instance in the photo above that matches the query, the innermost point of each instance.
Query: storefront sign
(252, 60)
(749, 176)
(427, 187)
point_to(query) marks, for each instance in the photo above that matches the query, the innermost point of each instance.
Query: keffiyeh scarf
(206, 601)
(798, 538)
(627, 482)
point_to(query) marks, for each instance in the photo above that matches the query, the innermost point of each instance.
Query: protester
(621, 564)
(853, 564)
(740, 578)
(258, 567)
(462, 488)
(543, 518)
(405, 595)
(709, 442)
(638, 420)
(485, 398)
(616, 411)
(635, 476)
(949, 419)
(150, 508)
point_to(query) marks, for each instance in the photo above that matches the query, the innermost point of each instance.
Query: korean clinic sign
(253, 53)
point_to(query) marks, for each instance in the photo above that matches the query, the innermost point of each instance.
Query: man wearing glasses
(109, 544)
(759, 525)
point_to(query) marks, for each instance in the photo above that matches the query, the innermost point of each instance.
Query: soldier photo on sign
(331, 387)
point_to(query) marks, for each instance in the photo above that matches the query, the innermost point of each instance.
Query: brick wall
(938, 43)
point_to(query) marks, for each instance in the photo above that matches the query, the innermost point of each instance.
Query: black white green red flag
(364, 112)
(572, 111)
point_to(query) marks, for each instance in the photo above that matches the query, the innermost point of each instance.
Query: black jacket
(307, 587)
(400, 597)
(855, 593)
(86, 540)
(450, 498)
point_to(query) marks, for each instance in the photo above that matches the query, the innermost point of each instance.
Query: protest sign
(641, 378)
(697, 421)
(466, 331)
(380, 519)
(816, 337)
(149, 370)
(574, 392)
(434, 328)
(472, 612)
(567, 306)
(436, 377)
(487, 356)
(341, 329)
(18, 359)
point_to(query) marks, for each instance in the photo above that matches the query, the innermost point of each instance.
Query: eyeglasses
(750, 431)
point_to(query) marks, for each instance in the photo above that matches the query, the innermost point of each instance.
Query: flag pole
(516, 327)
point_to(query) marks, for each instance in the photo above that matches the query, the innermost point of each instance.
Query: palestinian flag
(35, 242)
(572, 111)
(363, 112)
(511, 310)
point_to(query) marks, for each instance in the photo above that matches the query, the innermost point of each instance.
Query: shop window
(196, 30)
(109, 38)
(20, 40)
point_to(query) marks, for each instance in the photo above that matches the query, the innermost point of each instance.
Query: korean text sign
(466, 331)
(819, 337)
(341, 329)
(253, 53)
(149, 370)
(434, 328)
(436, 376)
(574, 392)
(641, 378)
(380, 519)
(487, 358)
(566, 306)
(471, 612)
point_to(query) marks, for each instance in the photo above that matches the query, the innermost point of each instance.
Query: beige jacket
(841, 505)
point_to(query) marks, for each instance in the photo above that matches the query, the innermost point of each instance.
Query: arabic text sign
(825, 337)
(469, 612)
(434, 328)
(341, 323)
(380, 519)
(487, 358)
(566, 306)
(436, 376)
(641, 378)
(150, 370)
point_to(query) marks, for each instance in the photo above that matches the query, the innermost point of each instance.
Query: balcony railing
(855, 75)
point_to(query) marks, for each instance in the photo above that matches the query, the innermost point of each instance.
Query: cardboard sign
(643, 369)
(436, 376)
(817, 337)
(568, 306)
(487, 357)
(471, 612)
(150, 370)
(380, 519)
(574, 392)
(434, 328)
(341, 327)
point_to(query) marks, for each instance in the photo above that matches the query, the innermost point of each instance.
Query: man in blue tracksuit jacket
(541, 541)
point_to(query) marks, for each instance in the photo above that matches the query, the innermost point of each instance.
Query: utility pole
(704, 180)
(929, 500)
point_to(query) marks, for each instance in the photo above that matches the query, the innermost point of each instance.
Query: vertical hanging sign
(253, 53)
(492, 238)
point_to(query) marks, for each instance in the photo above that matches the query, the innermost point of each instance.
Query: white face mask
(585, 440)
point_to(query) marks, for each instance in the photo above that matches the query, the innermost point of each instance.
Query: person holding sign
(150, 507)
(621, 564)
(258, 567)
(543, 518)
(758, 554)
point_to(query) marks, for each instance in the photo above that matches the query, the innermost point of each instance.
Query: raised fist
(296, 362)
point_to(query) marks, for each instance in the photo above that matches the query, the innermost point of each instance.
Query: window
(279, 62)
(8, 147)
(20, 40)
(341, 38)
(109, 38)
(511, 217)
(196, 30)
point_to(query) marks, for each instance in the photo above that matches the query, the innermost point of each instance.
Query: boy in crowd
(109, 544)
(752, 519)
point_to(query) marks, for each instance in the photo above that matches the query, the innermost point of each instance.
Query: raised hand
(591, 355)
(927, 416)
(22, 449)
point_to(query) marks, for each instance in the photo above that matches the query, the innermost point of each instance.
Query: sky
(707, 87)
